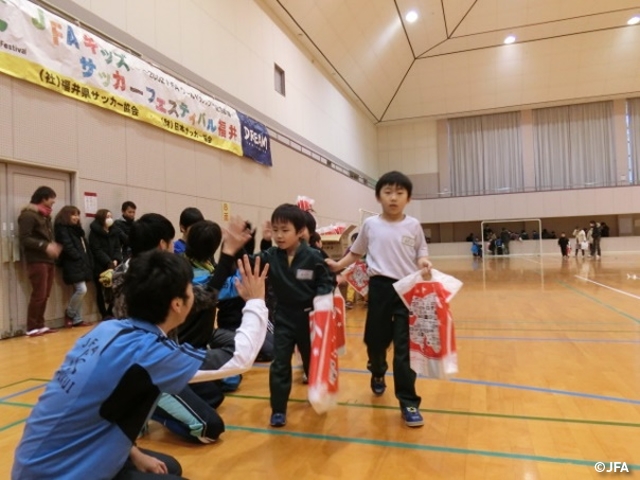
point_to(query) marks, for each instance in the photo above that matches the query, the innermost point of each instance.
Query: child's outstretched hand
(333, 265)
(235, 235)
(267, 233)
(251, 284)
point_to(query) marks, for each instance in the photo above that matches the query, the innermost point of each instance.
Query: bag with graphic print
(323, 362)
(432, 343)
(340, 319)
(357, 276)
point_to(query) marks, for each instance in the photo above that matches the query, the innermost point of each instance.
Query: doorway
(17, 184)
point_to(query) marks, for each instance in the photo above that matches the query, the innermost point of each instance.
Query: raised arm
(221, 363)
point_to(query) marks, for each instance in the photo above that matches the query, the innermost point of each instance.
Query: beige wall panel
(208, 180)
(175, 203)
(211, 209)
(102, 145)
(149, 201)
(45, 126)
(6, 117)
(145, 156)
(110, 196)
(250, 176)
(180, 164)
(230, 178)
(622, 197)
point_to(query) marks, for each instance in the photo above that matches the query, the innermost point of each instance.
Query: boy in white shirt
(395, 246)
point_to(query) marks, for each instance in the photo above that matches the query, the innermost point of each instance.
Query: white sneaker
(45, 330)
(34, 333)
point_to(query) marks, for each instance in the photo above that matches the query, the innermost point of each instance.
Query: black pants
(388, 321)
(129, 472)
(103, 300)
(192, 412)
(291, 329)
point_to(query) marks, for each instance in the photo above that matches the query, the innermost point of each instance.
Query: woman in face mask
(107, 254)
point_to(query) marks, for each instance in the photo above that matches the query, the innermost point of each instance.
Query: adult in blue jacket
(86, 422)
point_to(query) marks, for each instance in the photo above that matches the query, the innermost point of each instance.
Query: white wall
(234, 45)
(122, 159)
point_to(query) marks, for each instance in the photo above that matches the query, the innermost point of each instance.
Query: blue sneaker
(278, 420)
(412, 417)
(378, 386)
(231, 384)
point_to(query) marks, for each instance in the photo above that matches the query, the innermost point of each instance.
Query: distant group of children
(85, 424)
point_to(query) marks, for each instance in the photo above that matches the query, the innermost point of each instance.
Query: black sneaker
(378, 385)
(278, 420)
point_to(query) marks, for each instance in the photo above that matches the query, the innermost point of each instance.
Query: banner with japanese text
(44, 49)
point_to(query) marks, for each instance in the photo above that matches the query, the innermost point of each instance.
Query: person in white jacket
(581, 239)
(86, 422)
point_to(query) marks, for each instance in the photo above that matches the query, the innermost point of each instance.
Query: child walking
(395, 247)
(563, 242)
(297, 273)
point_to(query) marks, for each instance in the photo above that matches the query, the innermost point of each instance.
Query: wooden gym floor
(549, 384)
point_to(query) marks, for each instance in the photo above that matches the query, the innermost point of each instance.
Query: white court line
(610, 288)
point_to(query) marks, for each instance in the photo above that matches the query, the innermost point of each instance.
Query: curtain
(574, 146)
(485, 154)
(633, 137)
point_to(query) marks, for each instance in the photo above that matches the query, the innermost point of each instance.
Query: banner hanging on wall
(42, 48)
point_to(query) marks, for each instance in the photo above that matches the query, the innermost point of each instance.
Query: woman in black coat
(107, 254)
(75, 260)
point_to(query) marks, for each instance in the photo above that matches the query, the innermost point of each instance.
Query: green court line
(457, 412)
(13, 424)
(14, 383)
(415, 446)
(592, 298)
(17, 404)
(547, 330)
(541, 322)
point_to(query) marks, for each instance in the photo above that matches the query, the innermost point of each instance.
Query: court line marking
(459, 412)
(569, 393)
(18, 404)
(424, 447)
(545, 330)
(590, 297)
(531, 339)
(22, 392)
(607, 286)
(538, 339)
(15, 383)
(12, 424)
(540, 322)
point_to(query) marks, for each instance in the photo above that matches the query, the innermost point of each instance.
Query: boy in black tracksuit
(297, 273)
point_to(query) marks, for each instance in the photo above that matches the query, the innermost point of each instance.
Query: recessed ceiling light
(633, 20)
(509, 39)
(412, 16)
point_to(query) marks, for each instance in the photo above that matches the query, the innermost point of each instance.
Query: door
(17, 184)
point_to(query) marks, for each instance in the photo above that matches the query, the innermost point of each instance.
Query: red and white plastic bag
(432, 343)
(323, 365)
(340, 318)
(305, 203)
(357, 276)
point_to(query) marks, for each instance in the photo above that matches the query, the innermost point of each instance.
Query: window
(278, 78)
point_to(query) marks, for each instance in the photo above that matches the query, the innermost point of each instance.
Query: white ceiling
(385, 64)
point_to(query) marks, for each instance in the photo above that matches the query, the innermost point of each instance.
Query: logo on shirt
(409, 241)
(302, 274)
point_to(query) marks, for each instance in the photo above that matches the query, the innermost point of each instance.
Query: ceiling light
(633, 20)
(509, 39)
(412, 16)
